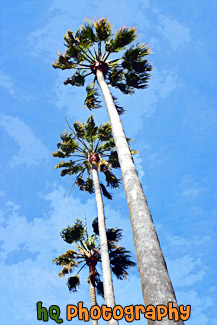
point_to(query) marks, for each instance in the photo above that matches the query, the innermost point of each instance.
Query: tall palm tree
(88, 52)
(88, 253)
(92, 149)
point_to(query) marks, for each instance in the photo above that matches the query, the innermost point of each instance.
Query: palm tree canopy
(88, 253)
(85, 143)
(89, 49)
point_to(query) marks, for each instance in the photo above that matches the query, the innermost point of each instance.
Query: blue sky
(173, 124)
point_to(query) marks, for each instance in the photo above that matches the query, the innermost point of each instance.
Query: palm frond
(73, 283)
(103, 29)
(119, 109)
(114, 235)
(77, 79)
(75, 233)
(63, 62)
(95, 226)
(88, 186)
(113, 159)
(135, 80)
(99, 284)
(105, 192)
(92, 99)
(111, 179)
(90, 127)
(123, 37)
(58, 154)
(115, 76)
(67, 146)
(120, 262)
(105, 132)
(71, 168)
(85, 34)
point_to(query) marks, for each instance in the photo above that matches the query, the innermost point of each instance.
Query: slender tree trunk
(157, 288)
(92, 290)
(106, 269)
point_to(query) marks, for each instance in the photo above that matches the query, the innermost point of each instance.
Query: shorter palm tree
(88, 253)
(89, 150)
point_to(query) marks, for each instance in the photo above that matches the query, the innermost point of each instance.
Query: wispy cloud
(35, 276)
(66, 15)
(31, 149)
(189, 187)
(7, 84)
(174, 32)
(199, 307)
(191, 192)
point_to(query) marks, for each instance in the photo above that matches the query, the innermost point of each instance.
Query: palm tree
(88, 253)
(92, 148)
(88, 52)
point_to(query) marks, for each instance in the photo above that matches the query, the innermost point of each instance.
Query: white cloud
(191, 192)
(31, 151)
(64, 15)
(139, 166)
(175, 33)
(189, 187)
(35, 279)
(185, 274)
(7, 84)
(199, 307)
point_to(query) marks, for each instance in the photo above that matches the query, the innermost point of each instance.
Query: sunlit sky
(172, 122)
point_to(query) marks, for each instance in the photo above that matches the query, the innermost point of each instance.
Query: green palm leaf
(87, 247)
(92, 99)
(84, 53)
(86, 140)
(103, 29)
(74, 234)
(91, 128)
(77, 79)
(123, 37)
(99, 285)
(85, 34)
(120, 262)
(105, 192)
(73, 283)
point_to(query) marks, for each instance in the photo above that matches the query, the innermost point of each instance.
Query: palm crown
(88, 144)
(88, 253)
(89, 49)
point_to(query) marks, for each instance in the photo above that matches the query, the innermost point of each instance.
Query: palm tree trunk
(157, 288)
(92, 290)
(106, 269)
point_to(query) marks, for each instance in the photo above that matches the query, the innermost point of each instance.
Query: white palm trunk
(156, 285)
(92, 290)
(106, 269)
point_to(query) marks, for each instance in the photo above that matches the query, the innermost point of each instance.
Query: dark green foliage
(120, 262)
(76, 80)
(85, 140)
(84, 53)
(103, 29)
(120, 109)
(123, 37)
(99, 285)
(74, 233)
(105, 192)
(92, 100)
(73, 283)
(88, 250)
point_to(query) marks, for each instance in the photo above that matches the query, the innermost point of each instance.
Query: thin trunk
(106, 269)
(157, 288)
(92, 290)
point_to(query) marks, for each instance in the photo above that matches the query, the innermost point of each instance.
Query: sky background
(173, 124)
